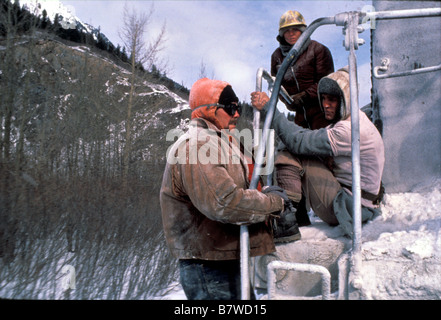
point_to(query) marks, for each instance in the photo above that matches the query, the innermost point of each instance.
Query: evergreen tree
(45, 23)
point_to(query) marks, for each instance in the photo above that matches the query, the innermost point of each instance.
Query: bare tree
(203, 71)
(132, 34)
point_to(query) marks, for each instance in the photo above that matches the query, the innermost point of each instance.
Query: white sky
(232, 38)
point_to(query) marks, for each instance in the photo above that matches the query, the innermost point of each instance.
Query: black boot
(286, 228)
(301, 214)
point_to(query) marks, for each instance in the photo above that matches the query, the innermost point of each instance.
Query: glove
(285, 227)
(298, 100)
(288, 204)
(277, 191)
(289, 212)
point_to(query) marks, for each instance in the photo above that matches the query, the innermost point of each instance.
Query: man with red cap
(205, 198)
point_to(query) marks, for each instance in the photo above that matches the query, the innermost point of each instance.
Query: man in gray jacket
(321, 159)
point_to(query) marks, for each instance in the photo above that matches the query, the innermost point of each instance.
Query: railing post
(245, 263)
(244, 234)
(355, 261)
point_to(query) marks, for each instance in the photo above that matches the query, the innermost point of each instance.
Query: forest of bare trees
(79, 173)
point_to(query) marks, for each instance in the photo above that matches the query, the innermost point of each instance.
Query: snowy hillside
(52, 7)
(65, 206)
(66, 14)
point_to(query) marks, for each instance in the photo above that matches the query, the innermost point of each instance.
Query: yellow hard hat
(289, 19)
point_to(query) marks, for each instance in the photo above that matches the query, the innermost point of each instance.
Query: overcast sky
(232, 38)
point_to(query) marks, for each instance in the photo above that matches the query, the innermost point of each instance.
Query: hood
(286, 47)
(337, 83)
(204, 95)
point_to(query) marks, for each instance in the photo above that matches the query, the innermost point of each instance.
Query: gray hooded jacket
(335, 140)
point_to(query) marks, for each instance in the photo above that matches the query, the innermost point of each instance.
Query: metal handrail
(244, 235)
(264, 74)
(385, 67)
(402, 14)
(303, 267)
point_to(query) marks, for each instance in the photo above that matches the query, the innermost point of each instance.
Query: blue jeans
(211, 280)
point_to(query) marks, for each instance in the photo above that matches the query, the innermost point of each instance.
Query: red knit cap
(204, 95)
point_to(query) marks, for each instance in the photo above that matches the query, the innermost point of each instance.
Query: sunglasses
(231, 108)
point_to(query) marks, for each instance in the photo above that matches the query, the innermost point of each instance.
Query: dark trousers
(211, 280)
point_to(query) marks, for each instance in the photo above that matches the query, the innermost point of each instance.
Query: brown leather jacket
(203, 203)
(313, 64)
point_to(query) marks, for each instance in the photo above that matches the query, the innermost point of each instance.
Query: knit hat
(204, 96)
(329, 86)
(228, 96)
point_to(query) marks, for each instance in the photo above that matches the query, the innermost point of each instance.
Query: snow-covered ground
(402, 248)
(418, 211)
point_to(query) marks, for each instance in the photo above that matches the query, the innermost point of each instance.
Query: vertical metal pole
(256, 113)
(355, 132)
(355, 140)
(244, 263)
(244, 234)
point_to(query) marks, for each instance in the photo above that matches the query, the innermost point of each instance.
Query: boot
(285, 228)
(302, 214)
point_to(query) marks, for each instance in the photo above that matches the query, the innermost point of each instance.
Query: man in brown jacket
(205, 197)
(300, 81)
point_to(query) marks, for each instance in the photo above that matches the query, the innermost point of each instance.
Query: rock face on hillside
(69, 78)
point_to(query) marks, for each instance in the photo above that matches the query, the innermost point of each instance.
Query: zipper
(298, 89)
